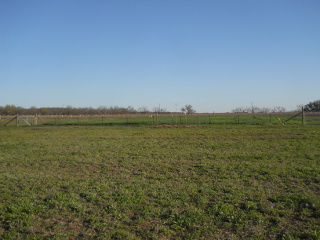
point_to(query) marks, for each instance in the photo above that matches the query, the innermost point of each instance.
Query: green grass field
(227, 181)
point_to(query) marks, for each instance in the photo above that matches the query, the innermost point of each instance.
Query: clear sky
(214, 55)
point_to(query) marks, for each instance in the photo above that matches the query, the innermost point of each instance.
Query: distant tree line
(255, 109)
(310, 107)
(103, 110)
(69, 110)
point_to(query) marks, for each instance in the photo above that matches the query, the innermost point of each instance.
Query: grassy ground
(122, 182)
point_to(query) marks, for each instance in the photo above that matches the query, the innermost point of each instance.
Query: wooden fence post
(303, 117)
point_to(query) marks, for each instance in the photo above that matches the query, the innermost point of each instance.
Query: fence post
(303, 117)
(17, 121)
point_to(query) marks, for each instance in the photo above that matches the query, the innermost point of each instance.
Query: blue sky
(214, 55)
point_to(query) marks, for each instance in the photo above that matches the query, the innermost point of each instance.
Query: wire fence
(155, 119)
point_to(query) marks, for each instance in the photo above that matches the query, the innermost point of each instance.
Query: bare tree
(278, 109)
(43, 111)
(255, 109)
(299, 108)
(130, 109)
(159, 110)
(188, 109)
(33, 110)
(143, 109)
(265, 110)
